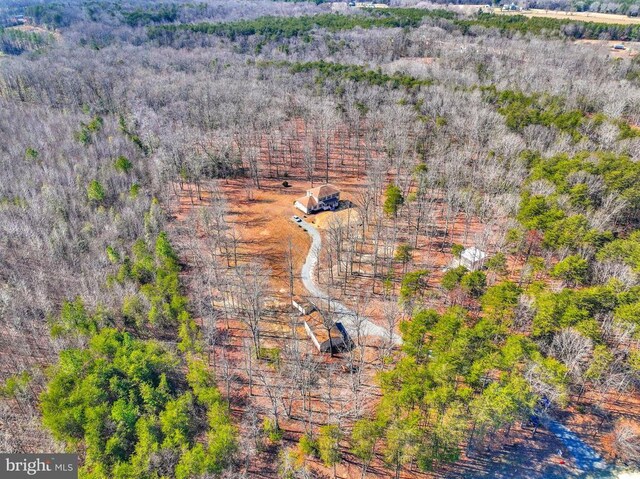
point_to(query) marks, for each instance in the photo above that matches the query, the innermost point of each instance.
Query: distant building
(369, 5)
(472, 258)
(17, 20)
(321, 198)
(337, 339)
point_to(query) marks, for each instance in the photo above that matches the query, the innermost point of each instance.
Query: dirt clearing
(631, 49)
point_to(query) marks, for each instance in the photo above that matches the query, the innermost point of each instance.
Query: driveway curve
(585, 457)
(346, 316)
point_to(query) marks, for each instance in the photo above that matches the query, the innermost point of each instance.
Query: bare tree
(573, 349)
(626, 440)
(251, 285)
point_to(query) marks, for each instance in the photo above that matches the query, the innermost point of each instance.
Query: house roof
(307, 201)
(324, 190)
(304, 302)
(473, 254)
(314, 320)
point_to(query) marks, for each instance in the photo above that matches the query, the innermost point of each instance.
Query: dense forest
(148, 151)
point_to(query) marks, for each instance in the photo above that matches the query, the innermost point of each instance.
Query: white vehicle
(297, 219)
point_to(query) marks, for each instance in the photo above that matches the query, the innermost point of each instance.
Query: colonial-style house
(321, 198)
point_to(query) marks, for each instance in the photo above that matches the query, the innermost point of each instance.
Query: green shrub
(96, 192)
(308, 445)
(271, 430)
(573, 270)
(122, 164)
(452, 278)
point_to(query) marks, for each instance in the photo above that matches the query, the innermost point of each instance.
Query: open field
(577, 16)
(55, 34)
(31, 29)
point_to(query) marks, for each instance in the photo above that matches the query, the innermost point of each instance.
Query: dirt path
(347, 317)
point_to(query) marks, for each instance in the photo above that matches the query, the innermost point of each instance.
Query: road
(346, 316)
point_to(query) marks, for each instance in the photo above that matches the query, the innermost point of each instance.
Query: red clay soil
(261, 218)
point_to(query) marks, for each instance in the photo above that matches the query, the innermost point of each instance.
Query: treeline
(521, 110)
(139, 16)
(464, 378)
(133, 13)
(148, 13)
(52, 15)
(57, 15)
(629, 7)
(357, 73)
(274, 28)
(117, 394)
(583, 209)
(129, 405)
(551, 27)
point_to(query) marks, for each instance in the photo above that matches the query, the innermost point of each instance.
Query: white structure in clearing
(472, 258)
(321, 198)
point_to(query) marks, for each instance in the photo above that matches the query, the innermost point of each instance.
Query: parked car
(296, 219)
